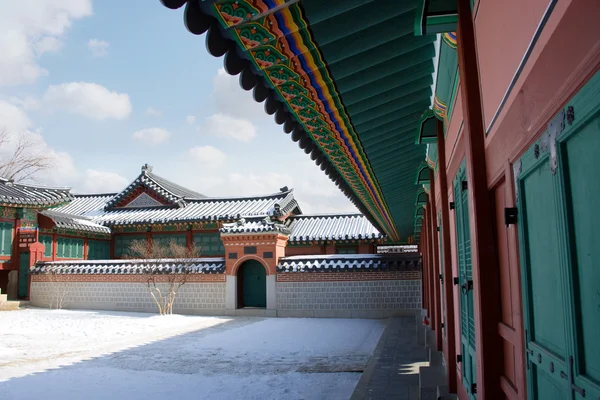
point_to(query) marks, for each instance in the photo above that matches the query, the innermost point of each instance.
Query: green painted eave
(385, 85)
(435, 16)
(427, 128)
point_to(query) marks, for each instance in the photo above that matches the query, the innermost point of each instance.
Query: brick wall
(193, 297)
(347, 298)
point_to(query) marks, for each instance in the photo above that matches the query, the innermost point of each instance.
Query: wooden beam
(425, 252)
(435, 263)
(450, 326)
(485, 273)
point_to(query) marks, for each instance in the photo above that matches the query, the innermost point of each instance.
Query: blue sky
(106, 86)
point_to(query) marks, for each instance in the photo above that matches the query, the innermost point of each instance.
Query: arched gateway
(252, 285)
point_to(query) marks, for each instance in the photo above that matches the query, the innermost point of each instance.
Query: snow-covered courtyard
(64, 354)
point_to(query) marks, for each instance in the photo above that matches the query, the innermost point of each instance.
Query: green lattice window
(122, 244)
(209, 244)
(6, 231)
(69, 248)
(46, 240)
(98, 250)
(346, 250)
(164, 239)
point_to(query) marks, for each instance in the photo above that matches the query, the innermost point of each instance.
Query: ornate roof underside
(348, 79)
(18, 195)
(349, 262)
(75, 222)
(130, 267)
(306, 228)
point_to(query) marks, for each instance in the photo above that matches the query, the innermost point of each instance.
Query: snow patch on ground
(98, 354)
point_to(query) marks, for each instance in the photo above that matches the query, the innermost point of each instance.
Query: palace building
(257, 252)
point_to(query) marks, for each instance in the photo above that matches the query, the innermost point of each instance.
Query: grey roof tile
(331, 227)
(170, 191)
(130, 267)
(349, 262)
(263, 225)
(16, 194)
(75, 222)
(207, 209)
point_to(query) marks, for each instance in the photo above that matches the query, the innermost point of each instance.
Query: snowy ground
(64, 355)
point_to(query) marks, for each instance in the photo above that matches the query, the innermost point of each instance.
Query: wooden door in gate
(23, 290)
(465, 281)
(558, 198)
(254, 284)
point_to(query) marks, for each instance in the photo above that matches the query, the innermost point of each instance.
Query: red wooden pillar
(112, 247)
(85, 248)
(424, 252)
(450, 326)
(430, 267)
(435, 264)
(485, 276)
(189, 239)
(54, 246)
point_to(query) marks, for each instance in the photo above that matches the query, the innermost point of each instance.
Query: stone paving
(393, 370)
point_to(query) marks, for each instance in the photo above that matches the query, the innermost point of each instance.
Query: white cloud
(88, 99)
(96, 181)
(32, 28)
(190, 119)
(18, 126)
(47, 44)
(152, 136)
(207, 156)
(12, 118)
(223, 125)
(99, 48)
(27, 102)
(63, 171)
(230, 98)
(153, 112)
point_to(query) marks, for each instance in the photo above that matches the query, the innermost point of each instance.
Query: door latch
(467, 286)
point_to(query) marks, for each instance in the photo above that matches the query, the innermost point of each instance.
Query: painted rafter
(302, 80)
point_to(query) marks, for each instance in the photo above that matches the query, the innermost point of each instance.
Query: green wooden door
(255, 284)
(465, 281)
(558, 194)
(23, 290)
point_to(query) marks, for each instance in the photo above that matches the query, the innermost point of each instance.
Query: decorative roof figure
(146, 168)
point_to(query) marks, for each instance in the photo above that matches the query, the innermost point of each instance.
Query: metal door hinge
(474, 388)
(464, 185)
(510, 215)
(441, 277)
(452, 205)
(437, 228)
(458, 358)
(455, 280)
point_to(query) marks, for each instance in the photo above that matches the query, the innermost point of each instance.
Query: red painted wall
(503, 30)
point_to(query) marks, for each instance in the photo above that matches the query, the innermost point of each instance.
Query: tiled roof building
(251, 242)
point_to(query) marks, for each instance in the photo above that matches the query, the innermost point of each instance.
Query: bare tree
(165, 272)
(20, 157)
(59, 290)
